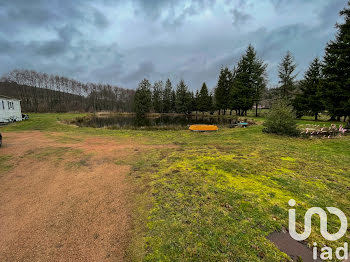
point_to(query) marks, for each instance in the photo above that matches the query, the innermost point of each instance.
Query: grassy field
(217, 196)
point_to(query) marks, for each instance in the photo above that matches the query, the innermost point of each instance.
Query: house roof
(7, 97)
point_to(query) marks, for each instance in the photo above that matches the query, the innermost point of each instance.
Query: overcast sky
(121, 42)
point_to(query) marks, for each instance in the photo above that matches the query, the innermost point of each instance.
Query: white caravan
(10, 109)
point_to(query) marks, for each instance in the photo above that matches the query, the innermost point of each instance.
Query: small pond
(162, 121)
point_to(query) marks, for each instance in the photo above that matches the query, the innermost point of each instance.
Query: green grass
(5, 164)
(45, 122)
(216, 196)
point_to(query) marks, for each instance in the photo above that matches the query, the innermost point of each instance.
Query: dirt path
(64, 200)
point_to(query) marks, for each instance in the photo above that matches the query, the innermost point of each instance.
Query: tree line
(324, 87)
(40, 92)
(162, 98)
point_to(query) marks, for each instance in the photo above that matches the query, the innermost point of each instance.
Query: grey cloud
(50, 48)
(210, 73)
(17, 16)
(240, 17)
(279, 3)
(287, 6)
(5, 46)
(67, 33)
(284, 5)
(83, 60)
(327, 14)
(152, 8)
(144, 70)
(34, 16)
(177, 11)
(100, 20)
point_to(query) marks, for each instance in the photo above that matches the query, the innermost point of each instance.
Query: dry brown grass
(65, 199)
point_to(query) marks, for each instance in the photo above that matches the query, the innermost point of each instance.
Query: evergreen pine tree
(211, 107)
(259, 78)
(193, 104)
(143, 98)
(196, 102)
(239, 95)
(287, 76)
(157, 96)
(204, 100)
(310, 100)
(167, 97)
(222, 90)
(336, 87)
(173, 101)
(183, 98)
(249, 81)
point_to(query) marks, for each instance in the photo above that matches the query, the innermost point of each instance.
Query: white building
(10, 109)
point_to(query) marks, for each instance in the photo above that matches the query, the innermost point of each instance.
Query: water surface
(176, 121)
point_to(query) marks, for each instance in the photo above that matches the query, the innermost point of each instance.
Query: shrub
(281, 119)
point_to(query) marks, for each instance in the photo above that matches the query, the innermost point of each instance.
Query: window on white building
(10, 105)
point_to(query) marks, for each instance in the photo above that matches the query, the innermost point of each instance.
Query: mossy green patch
(5, 164)
(287, 158)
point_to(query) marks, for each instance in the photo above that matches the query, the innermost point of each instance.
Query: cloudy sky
(121, 42)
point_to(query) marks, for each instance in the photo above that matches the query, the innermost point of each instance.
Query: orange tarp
(203, 128)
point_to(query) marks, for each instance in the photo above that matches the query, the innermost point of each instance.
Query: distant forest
(40, 92)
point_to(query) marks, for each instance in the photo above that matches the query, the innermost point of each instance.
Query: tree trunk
(256, 109)
(231, 112)
(219, 111)
(332, 118)
(316, 115)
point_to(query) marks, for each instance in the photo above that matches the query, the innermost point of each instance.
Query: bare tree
(49, 93)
